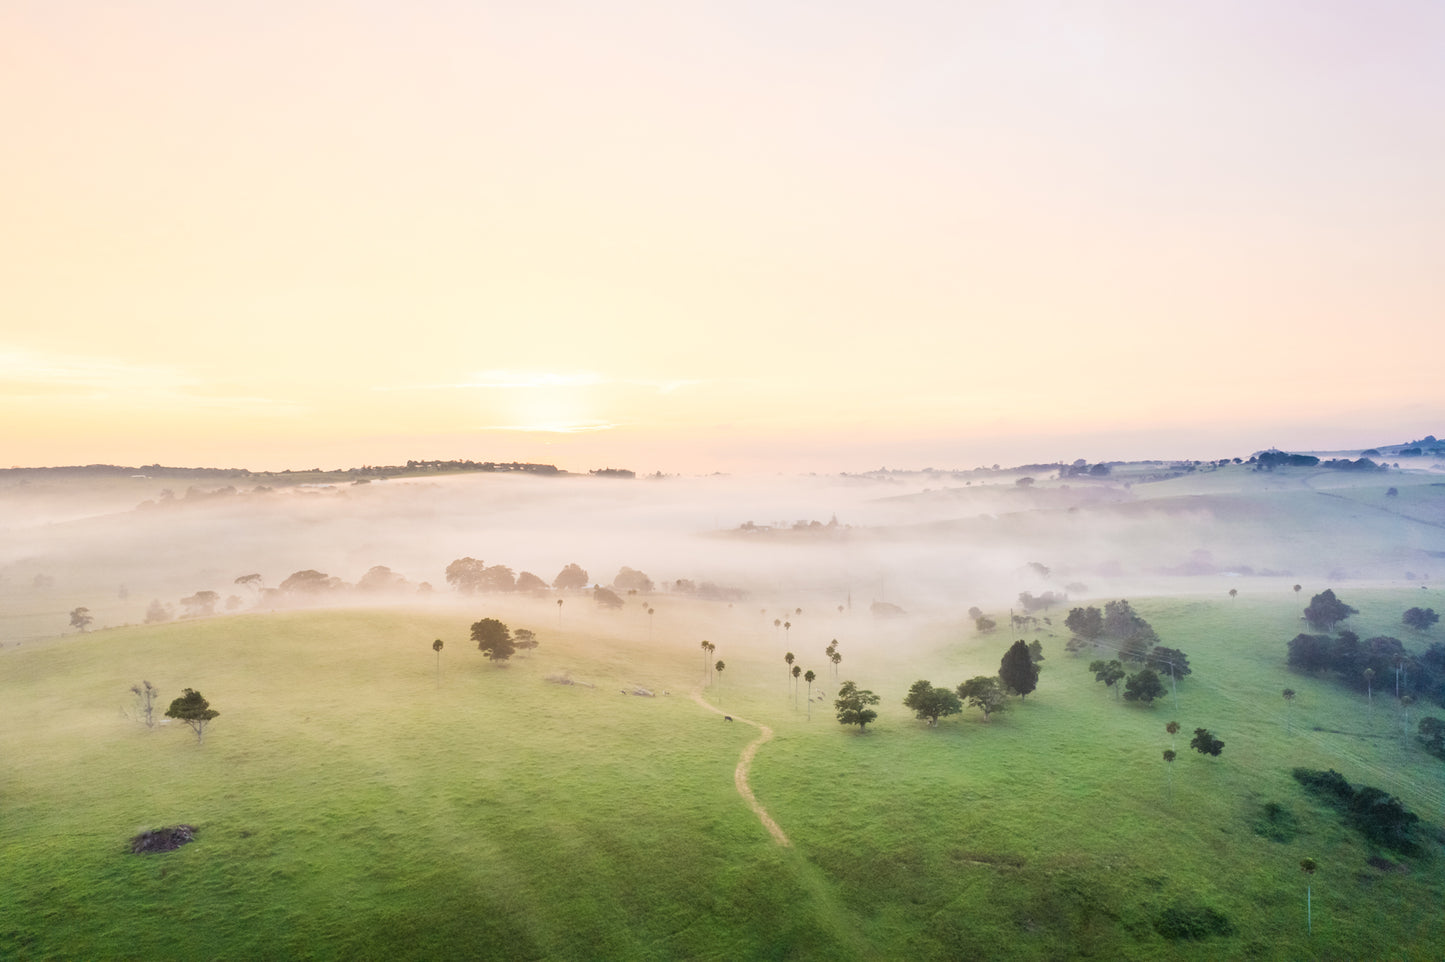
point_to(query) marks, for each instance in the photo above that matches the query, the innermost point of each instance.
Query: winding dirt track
(740, 774)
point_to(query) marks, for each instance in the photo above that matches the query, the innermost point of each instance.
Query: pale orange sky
(695, 237)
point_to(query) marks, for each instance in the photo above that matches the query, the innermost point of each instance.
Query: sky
(696, 237)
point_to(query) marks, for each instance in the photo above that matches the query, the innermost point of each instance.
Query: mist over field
(927, 542)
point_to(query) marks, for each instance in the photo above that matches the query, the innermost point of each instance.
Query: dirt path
(740, 774)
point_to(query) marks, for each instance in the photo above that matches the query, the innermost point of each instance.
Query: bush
(1374, 813)
(1192, 922)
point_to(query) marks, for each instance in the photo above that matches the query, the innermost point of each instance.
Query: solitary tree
(1017, 670)
(80, 618)
(1297, 588)
(1325, 611)
(984, 693)
(930, 704)
(1173, 729)
(809, 675)
(194, 710)
(1308, 866)
(1206, 744)
(145, 694)
(720, 666)
(571, 577)
(493, 639)
(837, 659)
(797, 670)
(852, 705)
(559, 612)
(1288, 694)
(1234, 592)
(437, 646)
(1169, 756)
(1420, 618)
(525, 639)
(789, 658)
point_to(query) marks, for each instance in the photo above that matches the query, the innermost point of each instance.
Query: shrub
(1193, 922)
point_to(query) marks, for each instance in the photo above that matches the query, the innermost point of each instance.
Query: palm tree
(808, 676)
(1234, 592)
(707, 649)
(649, 624)
(787, 627)
(436, 646)
(797, 670)
(1288, 694)
(720, 666)
(837, 660)
(1169, 757)
(559, 612)
(1369, 689)
(1173, 729)
(789, 657)
(1308, 866)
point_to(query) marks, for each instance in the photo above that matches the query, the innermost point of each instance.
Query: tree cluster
(1363, 664)
(1374, 813)
(1420, 618)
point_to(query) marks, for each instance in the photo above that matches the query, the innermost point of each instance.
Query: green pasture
(351, 805)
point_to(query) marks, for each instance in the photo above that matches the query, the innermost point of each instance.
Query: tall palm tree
(436, 646)
(808, 676)
(707, 650)
(789, 657)
(720, 666)
(797, 670)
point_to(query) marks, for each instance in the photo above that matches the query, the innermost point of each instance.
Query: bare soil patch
(162, 839)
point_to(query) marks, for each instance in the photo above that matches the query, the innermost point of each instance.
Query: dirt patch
(162, 839)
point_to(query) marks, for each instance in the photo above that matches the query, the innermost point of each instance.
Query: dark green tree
(930, 704)
(1206, 744)
(1420, 618)
(1288, 694)
(1036, 651)
(80, 618)
(525, 639)
(493, 639)
(1085, 623)
(437, 646)
(194, 710)
(852, 705)
(797, 670)
(1325, 611)
(985, 693)
(809, 676)
(1017, 670)
(1144, 685)
(1109, 672)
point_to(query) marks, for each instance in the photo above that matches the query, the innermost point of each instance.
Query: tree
(493, 639)
(465, 575)
(1169, 756)
(809, 677)
(719, 667)
(145, 694)
(1109, 672)
(1169, 661)
(789, 658)
(707, 649)
(983, 624)
(1308, 866)
(559, 612)
(157, 612)
(252, 581)
(309, 582)
(1370, 688)
(194, 710)
(1432, 735)
(80, 618)
(1036, 651)
(837, 659)
(381, 578)
(1206, 744)
(1297, 588)
(930, 703)
(1325, 611)
(1017, 670)
(496, 578)
(1085, 623)
(525, 639)
(607, 598)
(1173, 729)
(437, 646)
(629, 579)
(572, 576)
(984, 693)
(797, 670)
(1143, 686)
(526, 581)
(1288, 694)
(1420, 618)
(202, 604)
(1234, 592)
(852, 705)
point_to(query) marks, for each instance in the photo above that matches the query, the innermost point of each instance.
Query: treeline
(1365, 664)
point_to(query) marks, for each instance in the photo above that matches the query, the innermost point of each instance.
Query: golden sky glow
(697, 237)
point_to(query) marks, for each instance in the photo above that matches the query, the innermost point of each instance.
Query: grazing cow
(727, 718)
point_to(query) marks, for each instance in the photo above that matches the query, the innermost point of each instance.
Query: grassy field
(352, 806)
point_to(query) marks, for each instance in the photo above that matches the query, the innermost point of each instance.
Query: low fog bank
(923, 542)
